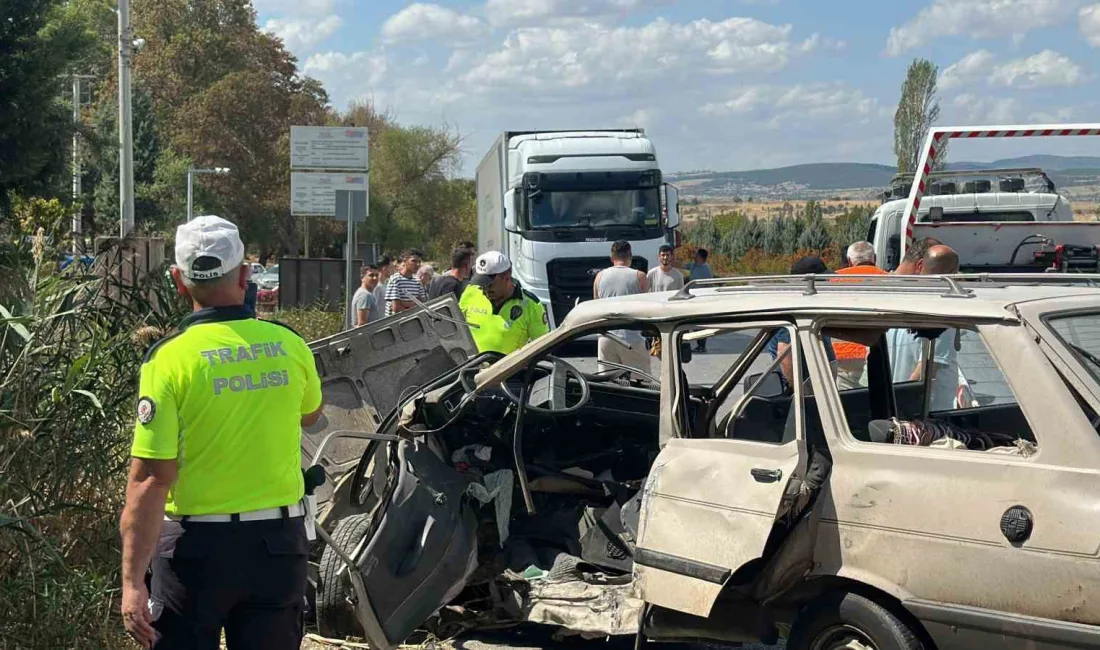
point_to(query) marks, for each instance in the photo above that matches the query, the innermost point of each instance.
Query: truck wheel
(848, 621)
(335, 615)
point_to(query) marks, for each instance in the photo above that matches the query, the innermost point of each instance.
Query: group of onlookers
(505, 316)
(390, 286)
(924, 257)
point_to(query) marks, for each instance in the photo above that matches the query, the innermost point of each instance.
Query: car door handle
(766, 475)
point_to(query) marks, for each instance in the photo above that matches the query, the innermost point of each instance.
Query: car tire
(849, 621)
(335, 615)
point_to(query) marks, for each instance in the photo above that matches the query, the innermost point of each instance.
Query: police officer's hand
(136, 616)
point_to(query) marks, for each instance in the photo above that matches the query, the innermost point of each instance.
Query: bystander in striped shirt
(403, 288)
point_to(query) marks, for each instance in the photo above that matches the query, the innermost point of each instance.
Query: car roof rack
(811, 283)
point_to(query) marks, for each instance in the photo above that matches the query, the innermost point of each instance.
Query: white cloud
(300, 7)
(780, 105)
(337, 68)
(588, 53)
(1046, 117)
(977, 19)
(984, 109)
(420, 21)
(971, 68)
(302, 34)
(541, 12)
(1089, 19)
(1045, 69)
(643, 118)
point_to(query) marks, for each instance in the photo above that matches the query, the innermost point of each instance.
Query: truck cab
(554, 201)
(996, 220)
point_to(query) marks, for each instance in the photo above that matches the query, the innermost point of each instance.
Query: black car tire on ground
(828, 621)
(335, 615)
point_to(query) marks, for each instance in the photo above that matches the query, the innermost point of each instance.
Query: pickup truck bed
(1012, 245)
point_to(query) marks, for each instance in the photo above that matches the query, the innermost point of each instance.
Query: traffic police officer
(506, 315)
(215, 496)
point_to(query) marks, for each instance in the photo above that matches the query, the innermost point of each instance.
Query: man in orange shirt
(852, 357)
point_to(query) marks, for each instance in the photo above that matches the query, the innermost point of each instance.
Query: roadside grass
(311, 323)
(71, 345)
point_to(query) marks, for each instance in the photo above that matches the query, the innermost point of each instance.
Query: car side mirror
(685, 352)
(672, 206)
(510, 207)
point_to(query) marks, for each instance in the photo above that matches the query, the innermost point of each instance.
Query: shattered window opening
(970, 403)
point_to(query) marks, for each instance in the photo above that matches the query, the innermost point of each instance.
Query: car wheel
(847, 621)
(335, 614)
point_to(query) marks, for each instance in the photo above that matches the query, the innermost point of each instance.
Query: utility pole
(78, 231)
(125, 121)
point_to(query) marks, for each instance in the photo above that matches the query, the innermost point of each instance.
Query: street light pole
(190, 173)
(125, 121)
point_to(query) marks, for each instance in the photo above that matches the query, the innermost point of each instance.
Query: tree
(851, 226)
(815, 236)
(39, 41)
(773, 236)
(918, 109)
(704, 234)
(792, 230)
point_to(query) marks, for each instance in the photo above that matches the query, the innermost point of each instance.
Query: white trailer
(554, 201)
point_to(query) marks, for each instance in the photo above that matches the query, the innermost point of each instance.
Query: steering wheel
(467, 374)
(559, 372)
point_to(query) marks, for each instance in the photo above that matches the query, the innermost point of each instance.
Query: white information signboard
(314, 195)
(328, 147)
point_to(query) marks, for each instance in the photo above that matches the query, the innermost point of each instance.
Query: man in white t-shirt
(665, 277)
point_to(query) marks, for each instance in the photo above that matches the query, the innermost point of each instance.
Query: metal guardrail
(812, 283)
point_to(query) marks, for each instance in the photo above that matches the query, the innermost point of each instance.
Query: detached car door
(365, 371)
(709, 504)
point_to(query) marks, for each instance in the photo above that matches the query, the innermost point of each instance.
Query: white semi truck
(553, 201)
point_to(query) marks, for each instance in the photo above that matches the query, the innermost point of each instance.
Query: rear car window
(1081, 334)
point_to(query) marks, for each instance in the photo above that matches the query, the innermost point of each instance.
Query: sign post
(351, 206)
(329, 167)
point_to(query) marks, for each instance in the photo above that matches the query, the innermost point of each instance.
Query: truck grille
(571, 278)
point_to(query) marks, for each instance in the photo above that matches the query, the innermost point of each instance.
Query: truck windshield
(595, 208)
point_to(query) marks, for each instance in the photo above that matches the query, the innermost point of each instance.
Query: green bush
(313, 323)
(71, 345)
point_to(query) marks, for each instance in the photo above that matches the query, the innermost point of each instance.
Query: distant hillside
(811, 180)
(821, 176)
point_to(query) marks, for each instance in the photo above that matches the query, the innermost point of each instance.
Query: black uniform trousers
(248, 578)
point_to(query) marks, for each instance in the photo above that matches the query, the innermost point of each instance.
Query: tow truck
(998, 220)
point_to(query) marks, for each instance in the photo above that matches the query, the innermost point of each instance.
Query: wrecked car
(948, 501)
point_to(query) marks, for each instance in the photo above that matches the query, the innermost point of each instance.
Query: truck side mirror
(672, 206)
(510, 211)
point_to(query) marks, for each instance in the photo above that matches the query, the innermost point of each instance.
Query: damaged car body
(920, 508)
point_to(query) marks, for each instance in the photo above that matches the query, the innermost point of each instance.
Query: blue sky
(718, 84)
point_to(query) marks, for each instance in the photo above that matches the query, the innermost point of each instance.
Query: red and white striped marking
(938, 136)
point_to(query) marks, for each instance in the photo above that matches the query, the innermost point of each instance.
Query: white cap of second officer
(208, 247)
(489, 265)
